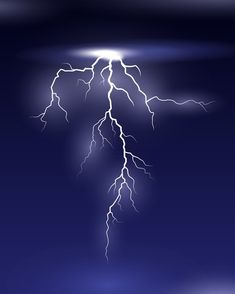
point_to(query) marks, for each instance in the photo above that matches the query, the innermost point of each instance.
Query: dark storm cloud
(24, 10)
(13, 10)
(175, 6)
(193, 5)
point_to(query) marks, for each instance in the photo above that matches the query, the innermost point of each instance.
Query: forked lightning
(123, 185)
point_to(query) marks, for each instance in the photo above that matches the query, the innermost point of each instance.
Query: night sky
(51, 221)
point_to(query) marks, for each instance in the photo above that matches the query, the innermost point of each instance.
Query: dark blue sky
(52, 223)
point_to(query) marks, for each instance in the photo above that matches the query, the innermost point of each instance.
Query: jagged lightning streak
(55, 98)
(124, 180)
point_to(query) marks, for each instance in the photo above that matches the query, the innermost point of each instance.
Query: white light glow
(107, 54)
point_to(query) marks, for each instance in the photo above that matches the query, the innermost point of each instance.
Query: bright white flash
(107, 54)
(123, 186)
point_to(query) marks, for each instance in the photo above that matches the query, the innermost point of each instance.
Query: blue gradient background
(52, 224)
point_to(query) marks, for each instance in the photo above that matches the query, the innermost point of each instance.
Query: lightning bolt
(123, 186)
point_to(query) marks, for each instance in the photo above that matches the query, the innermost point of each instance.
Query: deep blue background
(51, 222)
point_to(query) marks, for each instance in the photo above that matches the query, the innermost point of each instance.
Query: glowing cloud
(107, 54)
